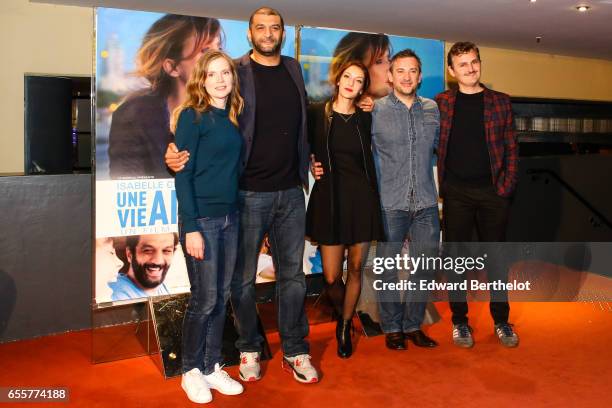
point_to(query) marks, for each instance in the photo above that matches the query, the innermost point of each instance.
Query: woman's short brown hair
(340, 70)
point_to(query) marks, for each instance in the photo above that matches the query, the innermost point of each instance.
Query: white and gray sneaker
(506, 335)
(249, 366)
(301, 368)
(221, 381)
(462, 336)
(196, 387)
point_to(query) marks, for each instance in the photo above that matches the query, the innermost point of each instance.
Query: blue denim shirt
(403, 143)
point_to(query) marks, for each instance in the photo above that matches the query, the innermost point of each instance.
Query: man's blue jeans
(281, 214)
(210, 280)
(423, 228)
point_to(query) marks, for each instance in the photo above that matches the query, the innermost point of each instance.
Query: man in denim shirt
(405, 132)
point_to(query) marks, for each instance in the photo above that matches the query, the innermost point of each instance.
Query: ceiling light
(532, 1)
(582, 8)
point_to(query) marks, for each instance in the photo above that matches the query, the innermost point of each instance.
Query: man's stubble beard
(272, 53)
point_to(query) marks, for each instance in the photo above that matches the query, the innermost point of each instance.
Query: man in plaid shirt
(477, 172)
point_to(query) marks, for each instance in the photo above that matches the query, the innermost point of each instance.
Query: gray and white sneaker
(506, 335)
(462, 336)
(249, 366)
(221, 381)
(301, 368)
(196, 387)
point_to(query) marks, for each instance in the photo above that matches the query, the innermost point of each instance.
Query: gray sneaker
(506, 335)
(462, 336)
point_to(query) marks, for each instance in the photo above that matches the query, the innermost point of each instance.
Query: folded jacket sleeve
(187, 138)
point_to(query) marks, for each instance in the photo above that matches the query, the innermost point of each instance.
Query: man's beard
(140, 273)
(274, 51)
(400, 91)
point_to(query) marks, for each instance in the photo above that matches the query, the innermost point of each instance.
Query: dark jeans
(423, 227)
(210, 280)
(465, 209)
(281, 214)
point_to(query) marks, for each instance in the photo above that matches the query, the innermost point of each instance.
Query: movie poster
(323, 49)
(143, 61)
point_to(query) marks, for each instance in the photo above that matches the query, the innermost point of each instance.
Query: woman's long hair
(165, 40)
(364, 47)
(197, 96)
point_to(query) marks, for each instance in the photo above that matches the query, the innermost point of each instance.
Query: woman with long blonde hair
(206, 125)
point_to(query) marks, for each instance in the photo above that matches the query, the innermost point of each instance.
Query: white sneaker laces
(194, 374)
(223, 375)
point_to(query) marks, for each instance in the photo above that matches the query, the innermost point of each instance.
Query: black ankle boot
(343, 336)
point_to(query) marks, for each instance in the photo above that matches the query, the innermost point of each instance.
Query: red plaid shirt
(499, 132)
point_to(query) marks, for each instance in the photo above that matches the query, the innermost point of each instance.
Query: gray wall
(45, 255)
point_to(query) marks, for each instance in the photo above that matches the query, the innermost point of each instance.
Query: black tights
(343, 296)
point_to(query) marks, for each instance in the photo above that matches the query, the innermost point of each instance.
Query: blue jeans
(281, 214)
(423, 228)
(210, 286)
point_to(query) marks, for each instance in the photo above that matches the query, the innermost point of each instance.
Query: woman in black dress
(344, 207)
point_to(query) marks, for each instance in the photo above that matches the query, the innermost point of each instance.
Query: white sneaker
(196, 387)
(249, 366)
(221, 381)
(301, 368)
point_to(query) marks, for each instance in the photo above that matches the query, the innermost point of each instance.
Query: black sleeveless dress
(344, 207)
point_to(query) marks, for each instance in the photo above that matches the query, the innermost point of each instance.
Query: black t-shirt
(273, 163)
(467, 160)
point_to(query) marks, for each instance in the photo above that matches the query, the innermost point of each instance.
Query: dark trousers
(480, 208)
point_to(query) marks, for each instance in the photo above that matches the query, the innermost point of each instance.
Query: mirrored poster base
(168, 313)
(122, 331)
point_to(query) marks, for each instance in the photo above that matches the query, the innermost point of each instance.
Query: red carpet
(564, 359)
